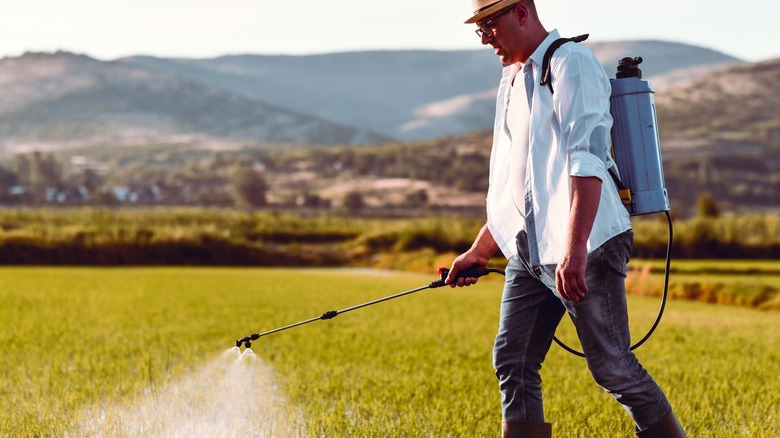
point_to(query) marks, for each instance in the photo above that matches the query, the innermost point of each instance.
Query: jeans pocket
(615, 253)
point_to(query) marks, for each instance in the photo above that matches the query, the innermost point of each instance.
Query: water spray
(475, 271)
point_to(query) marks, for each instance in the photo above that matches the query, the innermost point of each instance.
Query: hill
(406, 95)
(721, 134)
(65, 100)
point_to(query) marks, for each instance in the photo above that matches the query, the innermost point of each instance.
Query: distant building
(137, 194)
(66, 195)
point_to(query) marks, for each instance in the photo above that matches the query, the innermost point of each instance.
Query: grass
(751, 283)
(76, 338)
(707, 267)
(223, 237)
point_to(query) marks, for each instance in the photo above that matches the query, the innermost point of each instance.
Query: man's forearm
(484, 245)
(570, 273)
(585, 198)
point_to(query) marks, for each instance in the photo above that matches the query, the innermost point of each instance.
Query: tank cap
(629, 68)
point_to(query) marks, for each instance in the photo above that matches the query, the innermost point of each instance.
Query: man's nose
(486, 39)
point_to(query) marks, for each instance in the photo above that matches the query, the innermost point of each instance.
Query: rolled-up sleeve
(581, 103)
(586, 164)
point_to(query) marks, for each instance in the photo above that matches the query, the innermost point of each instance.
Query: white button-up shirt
(568, 134)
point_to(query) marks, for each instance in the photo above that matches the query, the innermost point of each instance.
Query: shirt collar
(538, 56)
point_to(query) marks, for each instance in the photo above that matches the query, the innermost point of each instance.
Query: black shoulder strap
(546, 79)
(623, 191)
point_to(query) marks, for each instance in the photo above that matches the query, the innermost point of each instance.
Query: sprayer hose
(663, 298)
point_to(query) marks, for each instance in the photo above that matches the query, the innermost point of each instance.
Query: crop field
(150, 352)
(751, 283)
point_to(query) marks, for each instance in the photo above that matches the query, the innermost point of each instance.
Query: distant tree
(21, 166)
(90, 179)
(353, 201)
(249, 187)
(417, 198)
(8, 177)
(37, 171)
(214, 198)
(219, 162)
(105, 197)
(312, 200)
(706, 206)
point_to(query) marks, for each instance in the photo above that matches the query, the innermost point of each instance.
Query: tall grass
(755, 236)
(733, 282)
(272, 238)
(343, 239)
(80, 341)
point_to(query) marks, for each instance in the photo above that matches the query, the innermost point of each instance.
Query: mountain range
(59, 100)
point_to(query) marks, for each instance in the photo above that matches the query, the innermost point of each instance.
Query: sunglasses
(487, 27)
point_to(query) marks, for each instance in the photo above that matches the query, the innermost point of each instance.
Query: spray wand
(475, 271)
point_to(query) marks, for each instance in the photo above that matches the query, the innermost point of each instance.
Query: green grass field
(82, 344)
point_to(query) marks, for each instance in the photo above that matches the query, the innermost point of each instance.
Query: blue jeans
(531, 309)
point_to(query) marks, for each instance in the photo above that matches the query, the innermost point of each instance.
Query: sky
(111, 29)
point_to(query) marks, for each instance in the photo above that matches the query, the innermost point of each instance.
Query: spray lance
(475, 271)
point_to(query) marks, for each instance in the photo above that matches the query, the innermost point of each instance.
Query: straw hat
(484, 8)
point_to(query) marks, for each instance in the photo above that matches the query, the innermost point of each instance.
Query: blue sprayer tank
(635, 144)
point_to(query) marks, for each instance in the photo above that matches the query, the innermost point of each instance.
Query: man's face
(501, 30)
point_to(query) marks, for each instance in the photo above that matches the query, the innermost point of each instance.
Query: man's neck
(536, 39)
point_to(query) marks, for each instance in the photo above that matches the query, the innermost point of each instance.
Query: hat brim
(490, 10)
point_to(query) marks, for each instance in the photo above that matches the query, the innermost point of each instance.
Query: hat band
(485, 7)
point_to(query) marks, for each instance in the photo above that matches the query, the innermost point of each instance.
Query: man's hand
(463, 261)
(480, 253)
(570, 274)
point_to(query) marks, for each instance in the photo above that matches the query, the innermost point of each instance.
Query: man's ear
(522, 13)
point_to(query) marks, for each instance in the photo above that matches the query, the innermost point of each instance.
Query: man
(555, 213)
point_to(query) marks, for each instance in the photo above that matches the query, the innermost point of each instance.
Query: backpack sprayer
(635, 145)
(635, 149)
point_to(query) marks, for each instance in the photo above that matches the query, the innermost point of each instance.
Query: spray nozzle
(247, 340)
